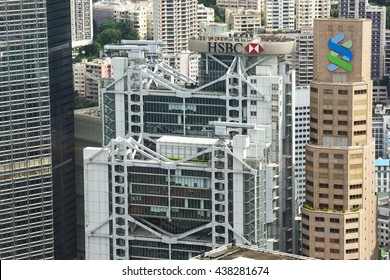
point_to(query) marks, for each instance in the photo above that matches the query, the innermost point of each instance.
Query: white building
(174, 23)
(280, 14)
(381, 130)
(82, 23)
(308, 10)
(382, 175)
(205, 15)
(192, 168)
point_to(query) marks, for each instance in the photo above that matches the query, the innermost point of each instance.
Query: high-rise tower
(339, 217)
(26, 194)
(37, 193)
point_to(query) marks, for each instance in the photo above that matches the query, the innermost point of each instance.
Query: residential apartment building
(361, 9)
(87, 76)
(175, 22)
(37, 159)
(194, 167)
(339, 216)
(205, 14)
(280, 15)
(82, 22)
(304, 57)
(243, 20)
(247, 4)
(308, 10)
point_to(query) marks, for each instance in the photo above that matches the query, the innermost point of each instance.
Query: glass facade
(26, 212)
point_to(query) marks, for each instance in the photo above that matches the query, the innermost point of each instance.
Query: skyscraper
(62, 127)
(36, 126)
(26, 195)
(82, 22)
(339, 217)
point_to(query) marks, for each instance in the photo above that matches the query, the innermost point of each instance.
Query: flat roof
(234, 252)
(186, 140)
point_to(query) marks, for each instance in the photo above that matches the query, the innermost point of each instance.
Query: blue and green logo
(339, 55)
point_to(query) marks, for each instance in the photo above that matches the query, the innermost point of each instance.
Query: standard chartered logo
(339, 55)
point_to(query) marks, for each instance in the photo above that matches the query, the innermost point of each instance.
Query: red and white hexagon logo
(254, 48)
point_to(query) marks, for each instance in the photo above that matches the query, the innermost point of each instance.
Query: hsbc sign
(227, 47)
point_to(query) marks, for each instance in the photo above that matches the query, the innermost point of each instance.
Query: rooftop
(232, 252)
(186, 140)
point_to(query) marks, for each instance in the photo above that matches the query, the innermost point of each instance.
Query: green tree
(128, 31)
(108, 24)
(334, 13)
(109, 36)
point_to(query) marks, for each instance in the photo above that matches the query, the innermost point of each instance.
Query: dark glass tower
(62, 128)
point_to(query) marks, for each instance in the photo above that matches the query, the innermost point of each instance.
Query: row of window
(340, 91)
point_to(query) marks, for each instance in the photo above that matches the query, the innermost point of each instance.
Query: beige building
(243, 20)
(247, 4)
(339, 216)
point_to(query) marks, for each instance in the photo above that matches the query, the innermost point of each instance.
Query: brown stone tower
(339, 217)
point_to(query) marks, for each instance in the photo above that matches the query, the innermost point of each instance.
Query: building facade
(361, 9)
(243, 20)
(241, 194)
(26, 214)
(247, 4)
(384, 224)
(339, 215)
(280, 15)
(82, 23)
(308, 10)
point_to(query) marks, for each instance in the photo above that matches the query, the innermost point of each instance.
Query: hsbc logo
(254, 48)
(226, 47)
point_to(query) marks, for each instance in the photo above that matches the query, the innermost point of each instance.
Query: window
(305, 226)
(328, 112)
(352, 240)
(334, 240)
(319, 249)
(319, 219)
(328, 91)
(323, 195)
(253, 113)
(328, 122)
(305, 236)
(320, 239)
(359, 122)
(323, 155)
(352, 220)
(334, 220)
(323, 186)
(313, 89)
(362, 91)
(320, 229)
(338, 156)
(354, 187)
(343, 92)
(359, 132)
(334, 230)
(306, 217)
(352, 230)
(338, 196)
(313, 120)
(338, 187)
(338, 166)
(355, 196)
(351, 251)
(342, 133)
(323, 165)
(335, 251)
(328, 132)
(343, 113)
(342, 122)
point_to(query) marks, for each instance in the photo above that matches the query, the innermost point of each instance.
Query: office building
(308, 10)
(217, 161)
(37, 165)
(82, 23)
(339, 216)
(382, 175)
(26, 215)
(62, 128)
(304, 56)
(361, 9)
(381, 130)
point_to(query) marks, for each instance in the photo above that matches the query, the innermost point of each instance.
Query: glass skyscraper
(26, 195)
(37, 196)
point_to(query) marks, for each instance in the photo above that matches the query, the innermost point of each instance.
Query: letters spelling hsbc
(224, 47)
